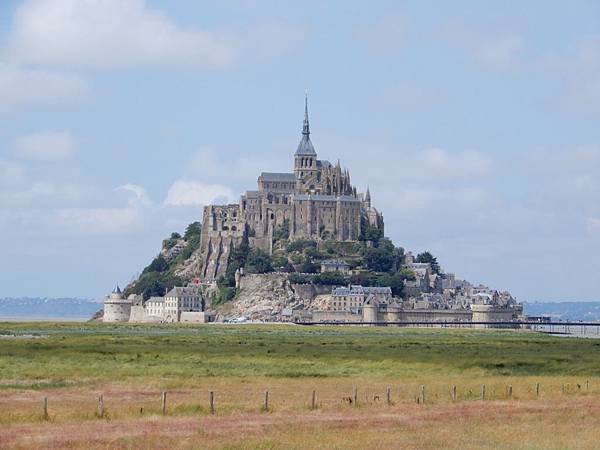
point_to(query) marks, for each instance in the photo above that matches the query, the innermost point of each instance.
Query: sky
(476, 126)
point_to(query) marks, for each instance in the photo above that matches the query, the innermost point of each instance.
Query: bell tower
(305, 158)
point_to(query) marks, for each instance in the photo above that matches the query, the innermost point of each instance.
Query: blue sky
(476, 125)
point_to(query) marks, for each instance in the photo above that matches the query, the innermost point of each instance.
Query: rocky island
(305, 246)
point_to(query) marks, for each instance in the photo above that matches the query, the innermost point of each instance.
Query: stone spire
(305, 126)
(368, 197)
(305, 147)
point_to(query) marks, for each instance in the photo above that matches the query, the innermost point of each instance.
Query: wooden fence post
(266, 400)
(454, 393)
(101, 406)
(510, 391)
(313, 400)
(388, 395)
(355, 396)
(537, 390)
(483, 392)
(423, 394)
(163, 402)
(45, 407)
(211, 401)
(587, 385)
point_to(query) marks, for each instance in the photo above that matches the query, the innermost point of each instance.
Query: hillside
(295, 266)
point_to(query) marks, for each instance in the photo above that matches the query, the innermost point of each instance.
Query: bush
(154, 284)
(300, 245)
(158, 264)
(309, 267)
(331, 278)
(313, 253)
(280, 261)
(296, 278)
(259, 262)
(282, 231)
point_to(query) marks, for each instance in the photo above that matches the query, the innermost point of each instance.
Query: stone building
(316, 200)
(180, 304)
(335, 265)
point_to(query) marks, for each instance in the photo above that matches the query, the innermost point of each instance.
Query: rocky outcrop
(264, 297)
(98, 316)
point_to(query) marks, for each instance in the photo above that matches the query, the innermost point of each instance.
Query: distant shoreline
(42, 319)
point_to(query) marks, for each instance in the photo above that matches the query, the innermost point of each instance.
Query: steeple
(368, 197)
(305, 147)
(305, 127)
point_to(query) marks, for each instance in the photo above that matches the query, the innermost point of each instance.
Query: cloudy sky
(476, 125)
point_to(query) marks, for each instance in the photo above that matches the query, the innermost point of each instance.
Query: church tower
(305, 158)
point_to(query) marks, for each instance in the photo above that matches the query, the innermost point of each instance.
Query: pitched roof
(277, 176)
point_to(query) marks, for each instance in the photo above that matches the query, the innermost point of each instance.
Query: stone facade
(180, 304)
(116, 307)
(316, 201)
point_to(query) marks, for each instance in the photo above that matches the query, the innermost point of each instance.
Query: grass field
(130, 365)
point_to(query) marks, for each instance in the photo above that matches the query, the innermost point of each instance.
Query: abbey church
(315, 201)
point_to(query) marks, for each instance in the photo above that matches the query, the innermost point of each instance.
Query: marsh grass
(131, 364)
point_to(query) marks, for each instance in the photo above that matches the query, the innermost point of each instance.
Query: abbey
(317, 201)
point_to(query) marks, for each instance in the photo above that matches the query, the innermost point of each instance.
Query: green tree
(259, 262)
(309, 267)
(394, 281)
(282, 231)
(158, 264)
(193, 229)
(296, 278)
(331, 278)
(427, 257)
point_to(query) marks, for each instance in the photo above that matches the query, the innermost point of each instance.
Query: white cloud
(140, 196)
(110, 33)
(45, 146)
(22, 87)
(187, 193)
(579, 68)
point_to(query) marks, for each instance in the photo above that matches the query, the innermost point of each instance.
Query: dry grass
(131, 365)
(557, 423)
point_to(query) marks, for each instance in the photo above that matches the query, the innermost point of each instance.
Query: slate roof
(276, 176)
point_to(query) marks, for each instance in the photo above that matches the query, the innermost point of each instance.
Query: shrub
(331, 278)
(259, 262)
(158, 264)
(296, 278)
(300, 245)
(309, 267)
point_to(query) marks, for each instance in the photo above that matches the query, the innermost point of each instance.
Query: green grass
(86, 354)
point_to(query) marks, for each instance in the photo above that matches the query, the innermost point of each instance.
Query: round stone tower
(491, 313)
(370, 310)
(116, 307)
